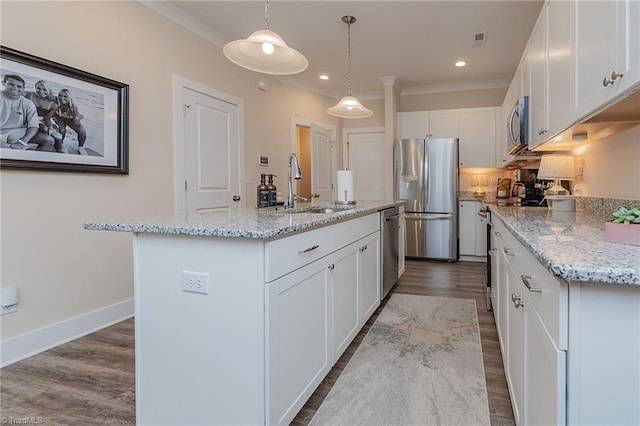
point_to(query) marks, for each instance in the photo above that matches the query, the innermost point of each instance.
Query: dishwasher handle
(395, 216)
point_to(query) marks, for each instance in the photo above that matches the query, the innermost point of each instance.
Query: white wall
(61, 270)
(612, 166)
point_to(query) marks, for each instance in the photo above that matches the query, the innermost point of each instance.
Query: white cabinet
(344, 297)
(276, 316)
(605, 52)
(473, 236)
(537, 51)
(299, 338)
(477, 137)
(502, 141)
(550, 72)
(532, 323)
(368, 276)
(423, 124)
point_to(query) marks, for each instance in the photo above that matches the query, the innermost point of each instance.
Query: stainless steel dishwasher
(390, 227)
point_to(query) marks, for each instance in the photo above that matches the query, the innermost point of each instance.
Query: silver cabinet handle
(508, 251)
(615, 74)
(498, 234)
(236, 198)
(307, 250)
(526, 279)
(517, 301)
(493, 252)
(606, 82)
(331, 267)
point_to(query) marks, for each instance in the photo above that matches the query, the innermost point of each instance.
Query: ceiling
(416, 41)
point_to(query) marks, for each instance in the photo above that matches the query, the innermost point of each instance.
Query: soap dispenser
(263, 192)
(272, 191)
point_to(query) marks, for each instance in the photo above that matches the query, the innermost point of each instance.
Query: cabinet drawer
(347, 232)
(548, 296)
(290, 253)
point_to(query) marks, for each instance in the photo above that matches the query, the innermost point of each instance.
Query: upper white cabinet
(477, 137)
(428, 124)
(550, 72)
(605, 52)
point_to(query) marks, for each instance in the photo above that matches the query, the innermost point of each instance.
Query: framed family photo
(57, 118)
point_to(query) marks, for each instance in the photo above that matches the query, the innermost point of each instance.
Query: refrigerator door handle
(429, 216)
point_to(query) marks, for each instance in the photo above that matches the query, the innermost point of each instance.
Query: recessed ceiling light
(461, 64)
(324, 77)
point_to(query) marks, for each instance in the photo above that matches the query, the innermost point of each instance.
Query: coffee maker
(527, 190)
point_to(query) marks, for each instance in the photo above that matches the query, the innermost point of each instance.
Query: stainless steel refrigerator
(426, 178)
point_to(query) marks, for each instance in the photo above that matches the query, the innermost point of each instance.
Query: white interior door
(321, 159)
(212, 149)
(365, 154)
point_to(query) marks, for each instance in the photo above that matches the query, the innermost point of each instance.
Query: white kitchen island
(240, 316)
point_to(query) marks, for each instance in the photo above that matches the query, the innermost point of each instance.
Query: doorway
(314, 146)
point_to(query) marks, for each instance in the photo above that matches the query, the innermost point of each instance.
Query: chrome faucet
(294, 173)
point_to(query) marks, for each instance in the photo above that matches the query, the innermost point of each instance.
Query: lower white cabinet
(299, 345)
(473, 231)
(515, 364)
(273, 320)
(315, 312)
(402, 243)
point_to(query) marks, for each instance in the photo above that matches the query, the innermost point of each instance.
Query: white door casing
(209, 148)
(364, 152)
(321, 163)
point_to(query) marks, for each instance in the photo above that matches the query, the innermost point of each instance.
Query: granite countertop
(246, 222)
(572, 244)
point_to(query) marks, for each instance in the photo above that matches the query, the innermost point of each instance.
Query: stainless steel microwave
(518, 126)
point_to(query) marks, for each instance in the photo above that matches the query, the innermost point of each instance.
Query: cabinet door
(481, 233)
(594, 50)
(503, 301)
(545, 398)
(344, 297)
(629, 50)
(515, 344)
(443, 123)
(467, 221)
(477, 137)
(298, 343)
(369, 275)
(559, 66)
(413, 125)
(538, 66)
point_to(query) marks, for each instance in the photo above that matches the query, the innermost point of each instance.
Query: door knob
(315, 195)
(236, 198)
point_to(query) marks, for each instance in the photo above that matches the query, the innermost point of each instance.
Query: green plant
(503, 185)
(627, 216)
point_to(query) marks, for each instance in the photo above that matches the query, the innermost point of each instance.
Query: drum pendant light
(349, 106)
(265, 51)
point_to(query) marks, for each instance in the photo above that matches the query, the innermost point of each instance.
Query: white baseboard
(32, 343)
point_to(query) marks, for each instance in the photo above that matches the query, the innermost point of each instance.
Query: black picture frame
(95, 141)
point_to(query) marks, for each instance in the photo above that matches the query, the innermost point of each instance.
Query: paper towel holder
(346, 200)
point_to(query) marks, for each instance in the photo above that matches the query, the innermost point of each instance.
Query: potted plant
(503, 187)
(624, 226)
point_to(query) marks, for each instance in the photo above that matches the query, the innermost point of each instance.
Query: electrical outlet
(195, 282)
(8, 309)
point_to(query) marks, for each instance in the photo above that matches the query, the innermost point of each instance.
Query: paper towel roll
(345, 187)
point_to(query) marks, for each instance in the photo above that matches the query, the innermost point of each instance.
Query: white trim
(186, 21)
(455, 87)
(296, 121)
(34, 342)
(466, 258)
(345, 138)
(179, 84)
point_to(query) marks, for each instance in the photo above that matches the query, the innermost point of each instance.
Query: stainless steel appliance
(426, 179)
(485, 212)
(518, 126)
(390, 226)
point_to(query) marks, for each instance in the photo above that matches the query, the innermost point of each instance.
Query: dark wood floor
(91, 380)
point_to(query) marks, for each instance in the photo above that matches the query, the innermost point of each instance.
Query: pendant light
(265, 51)
(349, 106)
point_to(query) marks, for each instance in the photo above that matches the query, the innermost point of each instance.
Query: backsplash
(604, 207)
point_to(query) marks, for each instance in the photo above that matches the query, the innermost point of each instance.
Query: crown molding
(455, 87)
(186, 21)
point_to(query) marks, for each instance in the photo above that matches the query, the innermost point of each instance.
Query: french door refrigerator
(426, 179)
